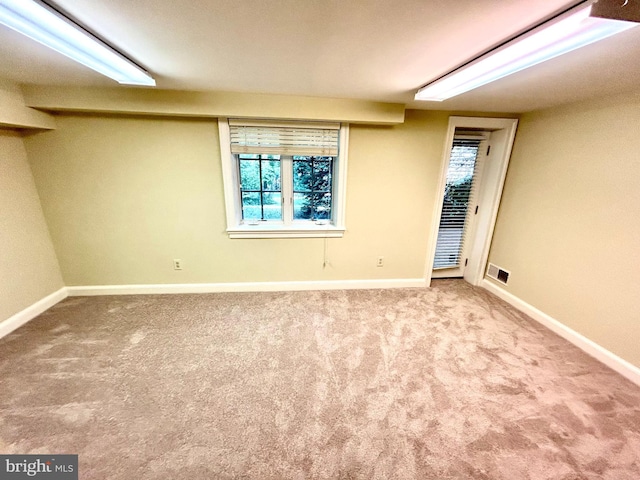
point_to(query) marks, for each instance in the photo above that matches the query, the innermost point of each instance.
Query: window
(261, 194)
(312, 187)
(283, 179)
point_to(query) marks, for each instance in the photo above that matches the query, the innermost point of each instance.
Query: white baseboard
(598, 352)
(92, 290)
(10, 324)
(29, 313)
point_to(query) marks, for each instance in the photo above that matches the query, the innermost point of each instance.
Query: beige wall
(569, 223)
(28, 266)
(176, 103)
(14, 112)
(125, 196)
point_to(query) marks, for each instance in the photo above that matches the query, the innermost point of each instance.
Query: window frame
(288, 227)
(261, 191)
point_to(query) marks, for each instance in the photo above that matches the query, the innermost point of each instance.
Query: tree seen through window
(312, 186)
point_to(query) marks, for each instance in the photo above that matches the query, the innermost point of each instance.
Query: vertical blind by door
(459, 199)
(283, 138)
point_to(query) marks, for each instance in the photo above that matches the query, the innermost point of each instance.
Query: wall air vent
(497, 273)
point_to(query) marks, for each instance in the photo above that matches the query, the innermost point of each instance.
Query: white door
(489, 172)
(460, 203)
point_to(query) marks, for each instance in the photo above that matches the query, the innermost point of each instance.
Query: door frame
(503, 131)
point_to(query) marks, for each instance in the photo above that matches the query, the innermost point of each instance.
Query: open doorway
(475, 161)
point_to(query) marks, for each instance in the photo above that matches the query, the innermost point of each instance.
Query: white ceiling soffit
(381, 50)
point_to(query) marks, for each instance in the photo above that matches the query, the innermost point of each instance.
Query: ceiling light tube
(563, 34)
(45, 25)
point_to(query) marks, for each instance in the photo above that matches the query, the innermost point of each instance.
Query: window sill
(292, 231)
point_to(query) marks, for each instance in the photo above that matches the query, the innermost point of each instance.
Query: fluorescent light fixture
(43, 24)
(563, 34)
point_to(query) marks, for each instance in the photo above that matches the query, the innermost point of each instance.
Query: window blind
(255, 137)
(460, 195)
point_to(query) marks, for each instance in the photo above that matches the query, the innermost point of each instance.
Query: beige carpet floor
(440, 383)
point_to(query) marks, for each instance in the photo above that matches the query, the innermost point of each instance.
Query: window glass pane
(322, 205)
(312, 187)
(271, 175)
(251, 208)
(272, 206)
(312, 206)
(249, 174)
(302, 177)
(322, 181)
(302, 209)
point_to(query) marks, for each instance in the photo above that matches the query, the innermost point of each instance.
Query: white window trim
(296, 229)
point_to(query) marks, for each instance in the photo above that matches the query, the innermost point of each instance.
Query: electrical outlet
(380, 262)
(177, 264)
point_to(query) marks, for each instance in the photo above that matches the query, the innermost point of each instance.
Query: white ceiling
(380, 50)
